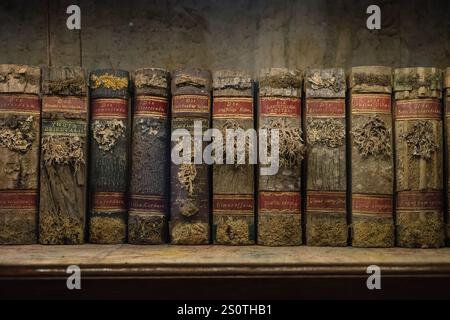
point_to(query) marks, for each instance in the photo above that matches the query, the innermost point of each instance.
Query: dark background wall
(214, 34)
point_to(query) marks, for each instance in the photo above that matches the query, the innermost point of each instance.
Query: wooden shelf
(223, 272)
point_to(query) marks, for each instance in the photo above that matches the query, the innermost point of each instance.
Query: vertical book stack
(190, 183)
(418, 141)
(372, 173)
(109, 156)
(20, 109)
(233, 183)
(148, 205)
(63, 155)
(326, 219)
(279, 200)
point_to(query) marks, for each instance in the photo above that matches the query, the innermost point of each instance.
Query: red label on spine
(417, 200)
(149, 105)
(326, 201)
(190, 104)
(233, 107)
(372, 204)
(232, 203)
(279, 202)
(20, 103)
(283, 107)
(64, 104)
(371, 103)
(109, 201)
(109, 108)
(418, 108)
(147, 203)
(325, 107)
(19, 199)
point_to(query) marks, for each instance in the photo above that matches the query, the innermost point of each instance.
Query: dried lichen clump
(73, 85)
(146, 229)
(291, 145)
(186, 176)
(421, 139)
(16, 133)
(187, 207)
(326, 230)
(238, 144)
(372, 137)
(335, 82)
(190, 233)
(328, 132)
(21, 74)
(184, 80)
(371, 79)
(420, 230)
(233, 231)
(416, 80)
(279, 230)
(148, 126)
(373, 232)
(107, 230)
(18, 228)
(63, 150)
(109, 81)
(60, 229)
(282, 80)
(107, 133)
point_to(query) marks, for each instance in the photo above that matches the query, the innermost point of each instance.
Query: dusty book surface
(447, 133)
(326, 220)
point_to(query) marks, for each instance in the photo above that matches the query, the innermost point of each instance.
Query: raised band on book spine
(109, 134)
(326, 219)
(279, 199)
(418, 153)
(372, 176)
(20, 111)
(190, 185)
(148, 199)
(233, 184)
(63, 156)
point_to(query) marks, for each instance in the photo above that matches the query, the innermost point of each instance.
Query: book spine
(148, 199)
(372, 176)
(233, 184)
(190, 183)
(63, 156)
(20, 111)
(418, 141)
(109, 134)
(326, 217)
(447, 136)
(279, 198)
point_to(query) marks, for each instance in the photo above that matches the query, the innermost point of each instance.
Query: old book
(20, 110)
(447, 132)
(326, 218)
(63, 156)
(109, 132)
(372, 173)
(189, 179)
(148, 198)
(233, 184)
(279, 199)
(418, 156)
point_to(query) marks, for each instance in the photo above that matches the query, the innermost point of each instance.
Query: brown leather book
(189, 179)
(279, 199)
(372, 164)
(109, 136)
(63, 156)
(233, 184)
(326, 217)
(447, 132)
(148, 199)
(20, 111)
(418, 156)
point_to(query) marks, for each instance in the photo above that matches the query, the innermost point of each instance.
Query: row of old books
(366, 182)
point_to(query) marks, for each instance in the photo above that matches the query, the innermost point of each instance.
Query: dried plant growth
(373, 232)
(328, 132)
(63, 150)
(183, 80)
(279, 229)
(109, 81)
(60, 229)
(372, 137)
(335, 82)
(232, 231)
(415, 81)
(192, 233)
(371, 79)
(421, 140)
(107, 133)
(74, 86)
(238, 144)
(186, 176)
(107, 230)
(16, 133)
(149, 126)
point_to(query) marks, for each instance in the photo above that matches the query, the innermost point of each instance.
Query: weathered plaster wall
(222, 33)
